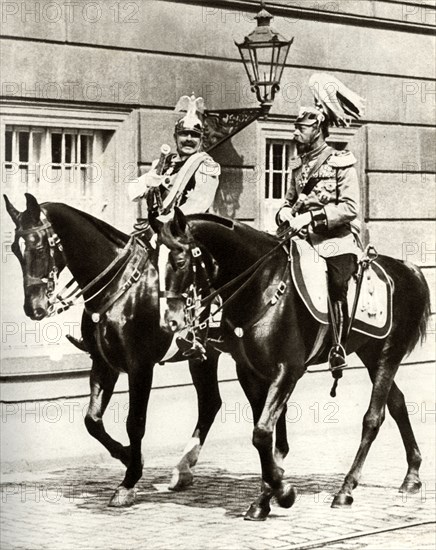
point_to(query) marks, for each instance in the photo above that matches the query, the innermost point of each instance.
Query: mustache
(189, 143)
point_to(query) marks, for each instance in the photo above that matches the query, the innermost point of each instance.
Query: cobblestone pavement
(65, 507)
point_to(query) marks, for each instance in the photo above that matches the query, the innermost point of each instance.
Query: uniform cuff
(319, 221)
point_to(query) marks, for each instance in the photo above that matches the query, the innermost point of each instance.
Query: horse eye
(181, 263)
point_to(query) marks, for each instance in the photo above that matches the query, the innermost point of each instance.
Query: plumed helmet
(194, 109)
(335, 104)
(308, 116)
(339, 104)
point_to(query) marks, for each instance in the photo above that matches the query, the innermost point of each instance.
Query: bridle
(192, 297)
(194, 307)
(50, 281)
(195, 304)
(56, 296)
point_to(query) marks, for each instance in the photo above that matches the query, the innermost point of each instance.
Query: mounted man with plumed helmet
(188, 179)
(323, 199)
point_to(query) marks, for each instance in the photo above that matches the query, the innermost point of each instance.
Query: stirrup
(80, 344)
(337, 358)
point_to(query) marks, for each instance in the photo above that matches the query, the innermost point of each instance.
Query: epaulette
(342, 159)
(210, 167)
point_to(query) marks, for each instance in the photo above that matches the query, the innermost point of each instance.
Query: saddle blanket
(374, 308)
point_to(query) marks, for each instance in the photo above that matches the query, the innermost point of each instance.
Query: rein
(285, 237)
(251, 272)
(72, 298)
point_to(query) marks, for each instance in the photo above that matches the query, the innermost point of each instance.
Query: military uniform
(334, 205)
(323, 197)
(193, 196)
(333, 202)
(191, 183)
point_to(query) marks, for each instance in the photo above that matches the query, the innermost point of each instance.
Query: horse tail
(422, 308)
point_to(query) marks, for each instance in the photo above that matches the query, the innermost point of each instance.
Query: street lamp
(264, 52)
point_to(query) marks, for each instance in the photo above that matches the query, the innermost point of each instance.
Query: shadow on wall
(231, 180)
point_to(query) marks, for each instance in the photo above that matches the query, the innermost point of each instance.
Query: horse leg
(102, 382)
(268, 407)
(256, 391)
(140, 381)
(398, 410)
(382, 383)
(282, 447)
(260, 508)
(205, 378)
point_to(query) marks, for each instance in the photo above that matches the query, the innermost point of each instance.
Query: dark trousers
(340, 269)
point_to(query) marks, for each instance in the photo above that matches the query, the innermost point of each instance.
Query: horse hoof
(410, 487)
(180, 480)
(286, 497)
(342, 500)
(123, 497)
(257, 513)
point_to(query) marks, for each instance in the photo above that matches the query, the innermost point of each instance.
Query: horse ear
(32, 207)
(179, 222)
(12, 211)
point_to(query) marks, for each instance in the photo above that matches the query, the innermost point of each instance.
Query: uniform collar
(311, 155)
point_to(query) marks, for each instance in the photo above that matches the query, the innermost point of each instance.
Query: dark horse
(126, 336)
(270, 343)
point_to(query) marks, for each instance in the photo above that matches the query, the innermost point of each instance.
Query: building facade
(88, 92)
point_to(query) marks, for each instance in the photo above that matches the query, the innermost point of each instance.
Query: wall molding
(311, 13)
(192, 55)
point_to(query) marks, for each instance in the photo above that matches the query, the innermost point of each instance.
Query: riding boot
(337, 355)
(80, 344)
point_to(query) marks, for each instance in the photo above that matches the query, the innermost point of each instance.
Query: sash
(311, 182)
(181, 180)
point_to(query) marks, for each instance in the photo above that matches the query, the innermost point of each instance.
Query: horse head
(185, 272)
(40, 255)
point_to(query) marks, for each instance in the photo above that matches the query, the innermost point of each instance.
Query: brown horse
(120, 325)
(270, 343)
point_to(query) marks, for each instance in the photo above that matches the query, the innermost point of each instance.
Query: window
(59, 153)
(54, 163)
(278, 154)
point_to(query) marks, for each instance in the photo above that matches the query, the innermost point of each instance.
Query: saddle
(374, 308)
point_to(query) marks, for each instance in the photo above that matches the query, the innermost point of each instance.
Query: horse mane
(226, 222)
(221, 235)
(234, 226)
(114, 235)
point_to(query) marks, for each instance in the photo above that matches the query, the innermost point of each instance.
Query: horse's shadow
(212, 488)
